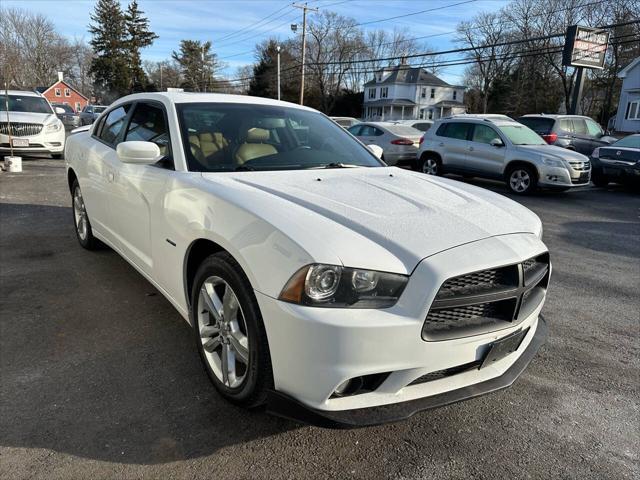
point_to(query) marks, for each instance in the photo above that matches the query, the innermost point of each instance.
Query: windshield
(541, 126)
(235, 137)
(99, 109)
(632, 141)
(66, 108)
(25, 103)
(522, 135)
(404, 130)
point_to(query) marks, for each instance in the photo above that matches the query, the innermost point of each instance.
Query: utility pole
(304, 45)
(278, 49)
(161, 77)
(204, 87)
(576, 93)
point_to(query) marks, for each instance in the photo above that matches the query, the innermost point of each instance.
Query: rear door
(453, 143)
(483, 157)
(581, 139)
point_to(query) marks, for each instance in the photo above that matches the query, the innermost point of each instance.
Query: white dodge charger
(319, 282)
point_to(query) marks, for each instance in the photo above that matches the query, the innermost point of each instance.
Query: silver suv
(496, 146)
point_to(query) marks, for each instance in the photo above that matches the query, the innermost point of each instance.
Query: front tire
(84, 233)
(521, 179)
(229, 331)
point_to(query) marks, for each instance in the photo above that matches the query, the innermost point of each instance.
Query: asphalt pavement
(99, 377)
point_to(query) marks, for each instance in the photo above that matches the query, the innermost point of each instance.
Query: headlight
(596, 153)
(552, 162)
(322, 285)
(54, 127)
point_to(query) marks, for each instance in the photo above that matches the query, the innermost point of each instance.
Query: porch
(389, 109)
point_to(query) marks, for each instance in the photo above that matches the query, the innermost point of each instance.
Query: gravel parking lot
(99, 377)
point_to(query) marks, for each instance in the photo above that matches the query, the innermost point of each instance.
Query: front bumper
(563, 177)
(313, 350)
(625, 170)
(44, 142)
(286, 406)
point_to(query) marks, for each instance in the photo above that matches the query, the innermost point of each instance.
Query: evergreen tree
(138, 37)
(110, 64)
(197, 65)
(264, 81)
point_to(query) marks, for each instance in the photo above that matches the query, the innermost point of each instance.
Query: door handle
(471, 149)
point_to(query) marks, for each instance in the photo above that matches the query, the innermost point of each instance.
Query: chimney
(60, 76)
(403, 60)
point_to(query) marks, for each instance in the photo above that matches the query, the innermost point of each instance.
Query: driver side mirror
(139, 153)
(376, 150)
(60, 111)
(496, 142)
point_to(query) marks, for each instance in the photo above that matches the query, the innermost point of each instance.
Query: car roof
(551, 115)
(25, 93)
(194, 97)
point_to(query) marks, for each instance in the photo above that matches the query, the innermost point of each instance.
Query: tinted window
(541, 126)
(238, 137)
(484, 134)
(632, 141)
(457, 130)
(579, 125)
(148, 125)
(566, 125)
(355, 130)
(593, 128)
(423, 127)
(99, 109)
(114, 124)
(370, 131)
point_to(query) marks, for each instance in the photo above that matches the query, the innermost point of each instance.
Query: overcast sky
(174, 20)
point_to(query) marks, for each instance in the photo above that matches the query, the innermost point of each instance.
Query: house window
(58, 93)
(384, 92)
(430, 115)
(67, 92)
(633, 110)
(372, 93)
(423, 93)
(78, 106)
(455, 94)
(433, 93)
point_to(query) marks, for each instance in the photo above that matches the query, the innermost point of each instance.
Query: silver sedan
(399, 143)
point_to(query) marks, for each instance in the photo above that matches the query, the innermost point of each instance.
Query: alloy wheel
(430, 166)
(80, 214)
(520, 180)
(223, 332)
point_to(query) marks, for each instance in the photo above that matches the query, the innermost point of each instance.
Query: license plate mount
(503, 347)
(20, 142)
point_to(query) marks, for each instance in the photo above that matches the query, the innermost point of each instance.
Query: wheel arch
(431, 153)
(71, 177)
(516, 163)
(197, 251)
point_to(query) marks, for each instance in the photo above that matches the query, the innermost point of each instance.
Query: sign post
(584, 47)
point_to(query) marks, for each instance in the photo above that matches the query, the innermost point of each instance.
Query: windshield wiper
(338, 165)
(244, 168)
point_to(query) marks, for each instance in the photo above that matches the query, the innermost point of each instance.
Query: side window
(355, 130)
(593, 128)
(148, 125)
(579, 125)
(458, 130)
(566, 125)
(484, 134)
(377, 132)
(366, 131)
(113, 124)
(442, 130)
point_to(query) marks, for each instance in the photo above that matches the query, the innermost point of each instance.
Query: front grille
(21, 129)
(583, 178)
(487, 300)
(580, 166)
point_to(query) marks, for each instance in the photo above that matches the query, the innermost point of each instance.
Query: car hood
(553, 152)
(27, 117)
(379, 218)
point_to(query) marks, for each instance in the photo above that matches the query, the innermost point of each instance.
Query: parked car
(618, 162)
(70, 119)
(399, 143)
(422, 125)
(318, 281)
(345, 122)
(32, 124)
(574, 132)
(90, 113)
(496, 146)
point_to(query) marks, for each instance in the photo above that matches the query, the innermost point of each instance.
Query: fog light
(348, 387)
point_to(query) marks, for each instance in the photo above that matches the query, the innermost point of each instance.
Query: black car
(575, 132)
(619, 162)
(70, 119)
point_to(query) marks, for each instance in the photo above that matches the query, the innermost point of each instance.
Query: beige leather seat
(254, 146)
(212, 143)
(196, 151)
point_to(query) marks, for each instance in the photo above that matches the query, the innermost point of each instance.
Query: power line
(415, 13)
(254, 24)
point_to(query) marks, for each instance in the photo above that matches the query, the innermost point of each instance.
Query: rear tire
(522, 179)
(84, 233)
(232, 343)
(431, 165)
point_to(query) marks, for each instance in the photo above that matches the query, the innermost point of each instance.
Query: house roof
(448, 103)
(44, 90)
(623, 73)
(412, 75)
(400, 102)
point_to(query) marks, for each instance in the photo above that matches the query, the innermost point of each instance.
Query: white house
(405, 92)
(628, 116)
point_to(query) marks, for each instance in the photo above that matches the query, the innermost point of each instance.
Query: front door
(484, 157)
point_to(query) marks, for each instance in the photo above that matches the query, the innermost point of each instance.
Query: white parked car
(31, 123)
(422, 125)
(318, 281)
(399, 143)
(345, 122)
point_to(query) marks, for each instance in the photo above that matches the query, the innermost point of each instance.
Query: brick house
(62, 92)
